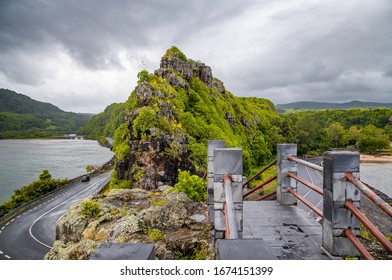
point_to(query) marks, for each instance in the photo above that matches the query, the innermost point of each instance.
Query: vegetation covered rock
(172, 114)
(177, 226)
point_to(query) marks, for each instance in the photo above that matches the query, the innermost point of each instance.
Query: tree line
(366, 130)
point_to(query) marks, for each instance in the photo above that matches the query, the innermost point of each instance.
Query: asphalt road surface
(31, 233)
(316, 178)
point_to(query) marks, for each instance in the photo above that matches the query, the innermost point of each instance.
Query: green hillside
(105, 124)
(23, 117)
(171, 115)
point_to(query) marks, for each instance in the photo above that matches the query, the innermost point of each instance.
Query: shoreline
(375, 158)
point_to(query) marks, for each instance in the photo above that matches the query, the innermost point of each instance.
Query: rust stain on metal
(358, 245)
(370, 194)
(369, 225)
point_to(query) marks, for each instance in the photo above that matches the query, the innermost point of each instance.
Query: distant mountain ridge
(24, 117)
(309, 105)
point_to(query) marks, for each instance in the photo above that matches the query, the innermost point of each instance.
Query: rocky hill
(171, 115)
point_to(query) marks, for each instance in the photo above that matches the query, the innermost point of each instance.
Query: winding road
(316, 178)
(31, 233)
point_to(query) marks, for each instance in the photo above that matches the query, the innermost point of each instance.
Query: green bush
(43, 185)
(192, 185)
(90, 209)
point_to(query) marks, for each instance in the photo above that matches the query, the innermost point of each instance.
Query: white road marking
(1, 231)
(7, 223)
(18, 217)
(40, 242)
(1, 252)
(12, 220)
(2, 228)
(8, 257)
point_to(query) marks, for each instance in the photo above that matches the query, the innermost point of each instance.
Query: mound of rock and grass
(178, 227)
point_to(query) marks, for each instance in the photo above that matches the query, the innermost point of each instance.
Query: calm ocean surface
(377, 175)
(21, 161)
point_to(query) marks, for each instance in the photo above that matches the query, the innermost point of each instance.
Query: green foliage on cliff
(105, 124)
(43, 185)
(175, 52)
(23, 117)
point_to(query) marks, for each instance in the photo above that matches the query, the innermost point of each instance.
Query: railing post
(337, 190)
(227, 162)
(212, 145)
(284, 166)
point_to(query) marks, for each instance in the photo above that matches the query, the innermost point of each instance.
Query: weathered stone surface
(125, 226)
(183, 223)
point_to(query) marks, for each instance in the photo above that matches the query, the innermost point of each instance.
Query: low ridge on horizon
(314, 105)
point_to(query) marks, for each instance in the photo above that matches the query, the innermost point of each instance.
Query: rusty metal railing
(306, 202)
(369, 225)
(263, 184)
(260, 172)
(370, 194)
(306, 163)
(358, 245)
(349, 205)
(231, 224)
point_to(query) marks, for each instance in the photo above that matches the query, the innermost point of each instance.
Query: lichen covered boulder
(177, 226)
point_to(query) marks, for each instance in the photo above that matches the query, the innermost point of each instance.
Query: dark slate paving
(286, 232)
(124, 251)
(244, 249)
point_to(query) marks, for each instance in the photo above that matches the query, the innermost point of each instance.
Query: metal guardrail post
(284, 166)
(231, 223)
(227, 162)
(337, 190)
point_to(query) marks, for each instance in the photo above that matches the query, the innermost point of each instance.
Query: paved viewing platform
(275, 232)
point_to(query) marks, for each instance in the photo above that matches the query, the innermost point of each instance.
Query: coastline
(375, 159)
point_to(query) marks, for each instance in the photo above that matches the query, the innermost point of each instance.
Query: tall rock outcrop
(171, 116)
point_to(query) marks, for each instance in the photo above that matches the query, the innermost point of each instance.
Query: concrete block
(341, 161)
(237, 178)
(211, 210)
(228, 161)
(285, 198)
(124, 251)
(239, 219)
(215, 144)
(237, 192)
(210, 167)
(219, 192)
(327, 205)
(352, 192)
(220, 222)
(218, 177)
(218, 206)
(219, 235)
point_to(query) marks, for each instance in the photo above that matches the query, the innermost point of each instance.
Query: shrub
(90, 209)
(155, 234)
(192, 185)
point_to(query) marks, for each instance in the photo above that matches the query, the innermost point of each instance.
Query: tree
(373, 139)
(335, 132)
(45, 175)
(352, 136)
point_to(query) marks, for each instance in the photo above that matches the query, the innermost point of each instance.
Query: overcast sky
(84, 55)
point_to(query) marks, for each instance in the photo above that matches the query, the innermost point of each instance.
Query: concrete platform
(287, 231)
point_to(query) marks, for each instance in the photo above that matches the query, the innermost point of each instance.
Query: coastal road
(316, 178)
(31, 233)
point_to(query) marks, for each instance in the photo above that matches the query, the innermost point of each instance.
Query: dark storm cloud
(281, 50)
